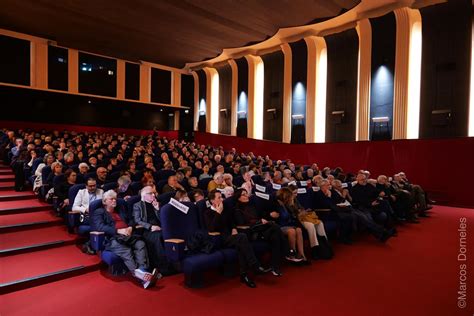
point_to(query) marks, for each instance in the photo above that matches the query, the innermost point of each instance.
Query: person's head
(285, 196)
(172, 181)
(218, 178)
(147, 194)
(19, 142)
(217, 158)
(147, 180)
(69, 158)
(168, 165)
(397, 177)
(101, 173)
(241, 195)
(382, 179)
(310, 173)
(193, 182)
(48, 159)
(70, 176)
(197, 195)
(123, 183)
(57, 167)
(324, 185)
(228, 179)
(215, 197)
(205, 168)
(228, 191)
(109, 199)
(181, 196)
(91, 185)
(361, 178)
(220, 168)
(83, 168)
(93, 161)
(402, 175)
(337, 184)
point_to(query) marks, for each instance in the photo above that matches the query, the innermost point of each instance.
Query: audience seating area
(43, 162)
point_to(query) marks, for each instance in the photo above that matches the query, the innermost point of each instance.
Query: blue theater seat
(115, 264)
(178, 228)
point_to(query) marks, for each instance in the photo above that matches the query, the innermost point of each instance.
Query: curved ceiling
(167, 32)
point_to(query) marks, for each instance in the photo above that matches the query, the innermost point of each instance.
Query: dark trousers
(274, 236)
(346, 223)
(156, 250)
(131, 250)
(19, 171)
(245, 252)
(364, 217)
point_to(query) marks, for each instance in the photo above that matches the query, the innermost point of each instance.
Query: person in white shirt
(85, 196)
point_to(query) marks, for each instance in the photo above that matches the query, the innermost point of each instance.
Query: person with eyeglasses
(121, 239)
(146, 213)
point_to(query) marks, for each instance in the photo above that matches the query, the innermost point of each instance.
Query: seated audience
(121, 239)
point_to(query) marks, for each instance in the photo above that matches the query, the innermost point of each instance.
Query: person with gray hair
(124, 191)
(114, 222)
(146, 213)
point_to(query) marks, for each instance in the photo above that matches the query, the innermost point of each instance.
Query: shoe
(385, 236)
(292, 257)
(142, 275)
(276, 272)
(261, 270)
(155, 277)
(86, 248)
(244, 278)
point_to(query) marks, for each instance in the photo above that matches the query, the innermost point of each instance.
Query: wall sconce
(171, 114)
(297, 116)
(223, 112)
(441, 117)
(273, 112)
(337, 116)
(241, 114)
(202, 113)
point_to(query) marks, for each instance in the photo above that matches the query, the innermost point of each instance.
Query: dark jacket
(140, 216)
(222, 223)
(102, 221)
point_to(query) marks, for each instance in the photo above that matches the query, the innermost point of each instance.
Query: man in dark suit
(222, 220)
(118, 229)
(146, 213)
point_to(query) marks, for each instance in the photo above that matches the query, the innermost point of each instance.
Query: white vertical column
(234, 101)
(364, 31)
(286, 138)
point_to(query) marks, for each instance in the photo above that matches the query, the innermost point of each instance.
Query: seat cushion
(110, 258)
(201, 262)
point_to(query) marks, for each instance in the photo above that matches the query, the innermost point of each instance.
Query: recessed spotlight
(186, 111)
(161, 110)
(89, 101)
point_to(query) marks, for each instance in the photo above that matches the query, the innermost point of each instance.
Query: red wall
(82, 128)
(441, 166)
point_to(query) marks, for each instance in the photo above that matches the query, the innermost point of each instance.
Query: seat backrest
(164, 198)
(201, 207)
(92, 175)
(94, 205)
(164, 174)
(306, 198)
(58, 179)
(45, 173)
(132, 200)
(203, 183)
(73, 192)
(110, 186)
(160, 185)
(176, 224)
(136, 186)
(35, 164)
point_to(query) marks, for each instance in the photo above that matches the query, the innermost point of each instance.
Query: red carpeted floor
(416, 273)
(34, 236)
(14, 219)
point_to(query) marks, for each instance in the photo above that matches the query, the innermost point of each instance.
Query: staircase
(35, 246)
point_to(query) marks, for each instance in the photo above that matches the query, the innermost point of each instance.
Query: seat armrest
(73, 219)
(174, 249)
(97, 240)
(322, 210)
(175, 240)
(214, 234)
(243, 227)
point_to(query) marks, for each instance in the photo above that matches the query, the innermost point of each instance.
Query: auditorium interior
(236, 157)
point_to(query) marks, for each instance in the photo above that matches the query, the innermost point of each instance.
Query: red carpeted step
(22, 221)
(11, 195)
(44, 265)
(23, 206)
(7, 178)
(5, 186)
(34, 239)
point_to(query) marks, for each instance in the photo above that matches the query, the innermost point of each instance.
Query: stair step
(7, 178)
(6, 171)
(40, 267)
(11, 195)
(35, 239)
(23, 206)
(5, 186)
(23, 221)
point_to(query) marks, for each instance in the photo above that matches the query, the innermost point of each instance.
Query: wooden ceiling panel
(168, 32)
